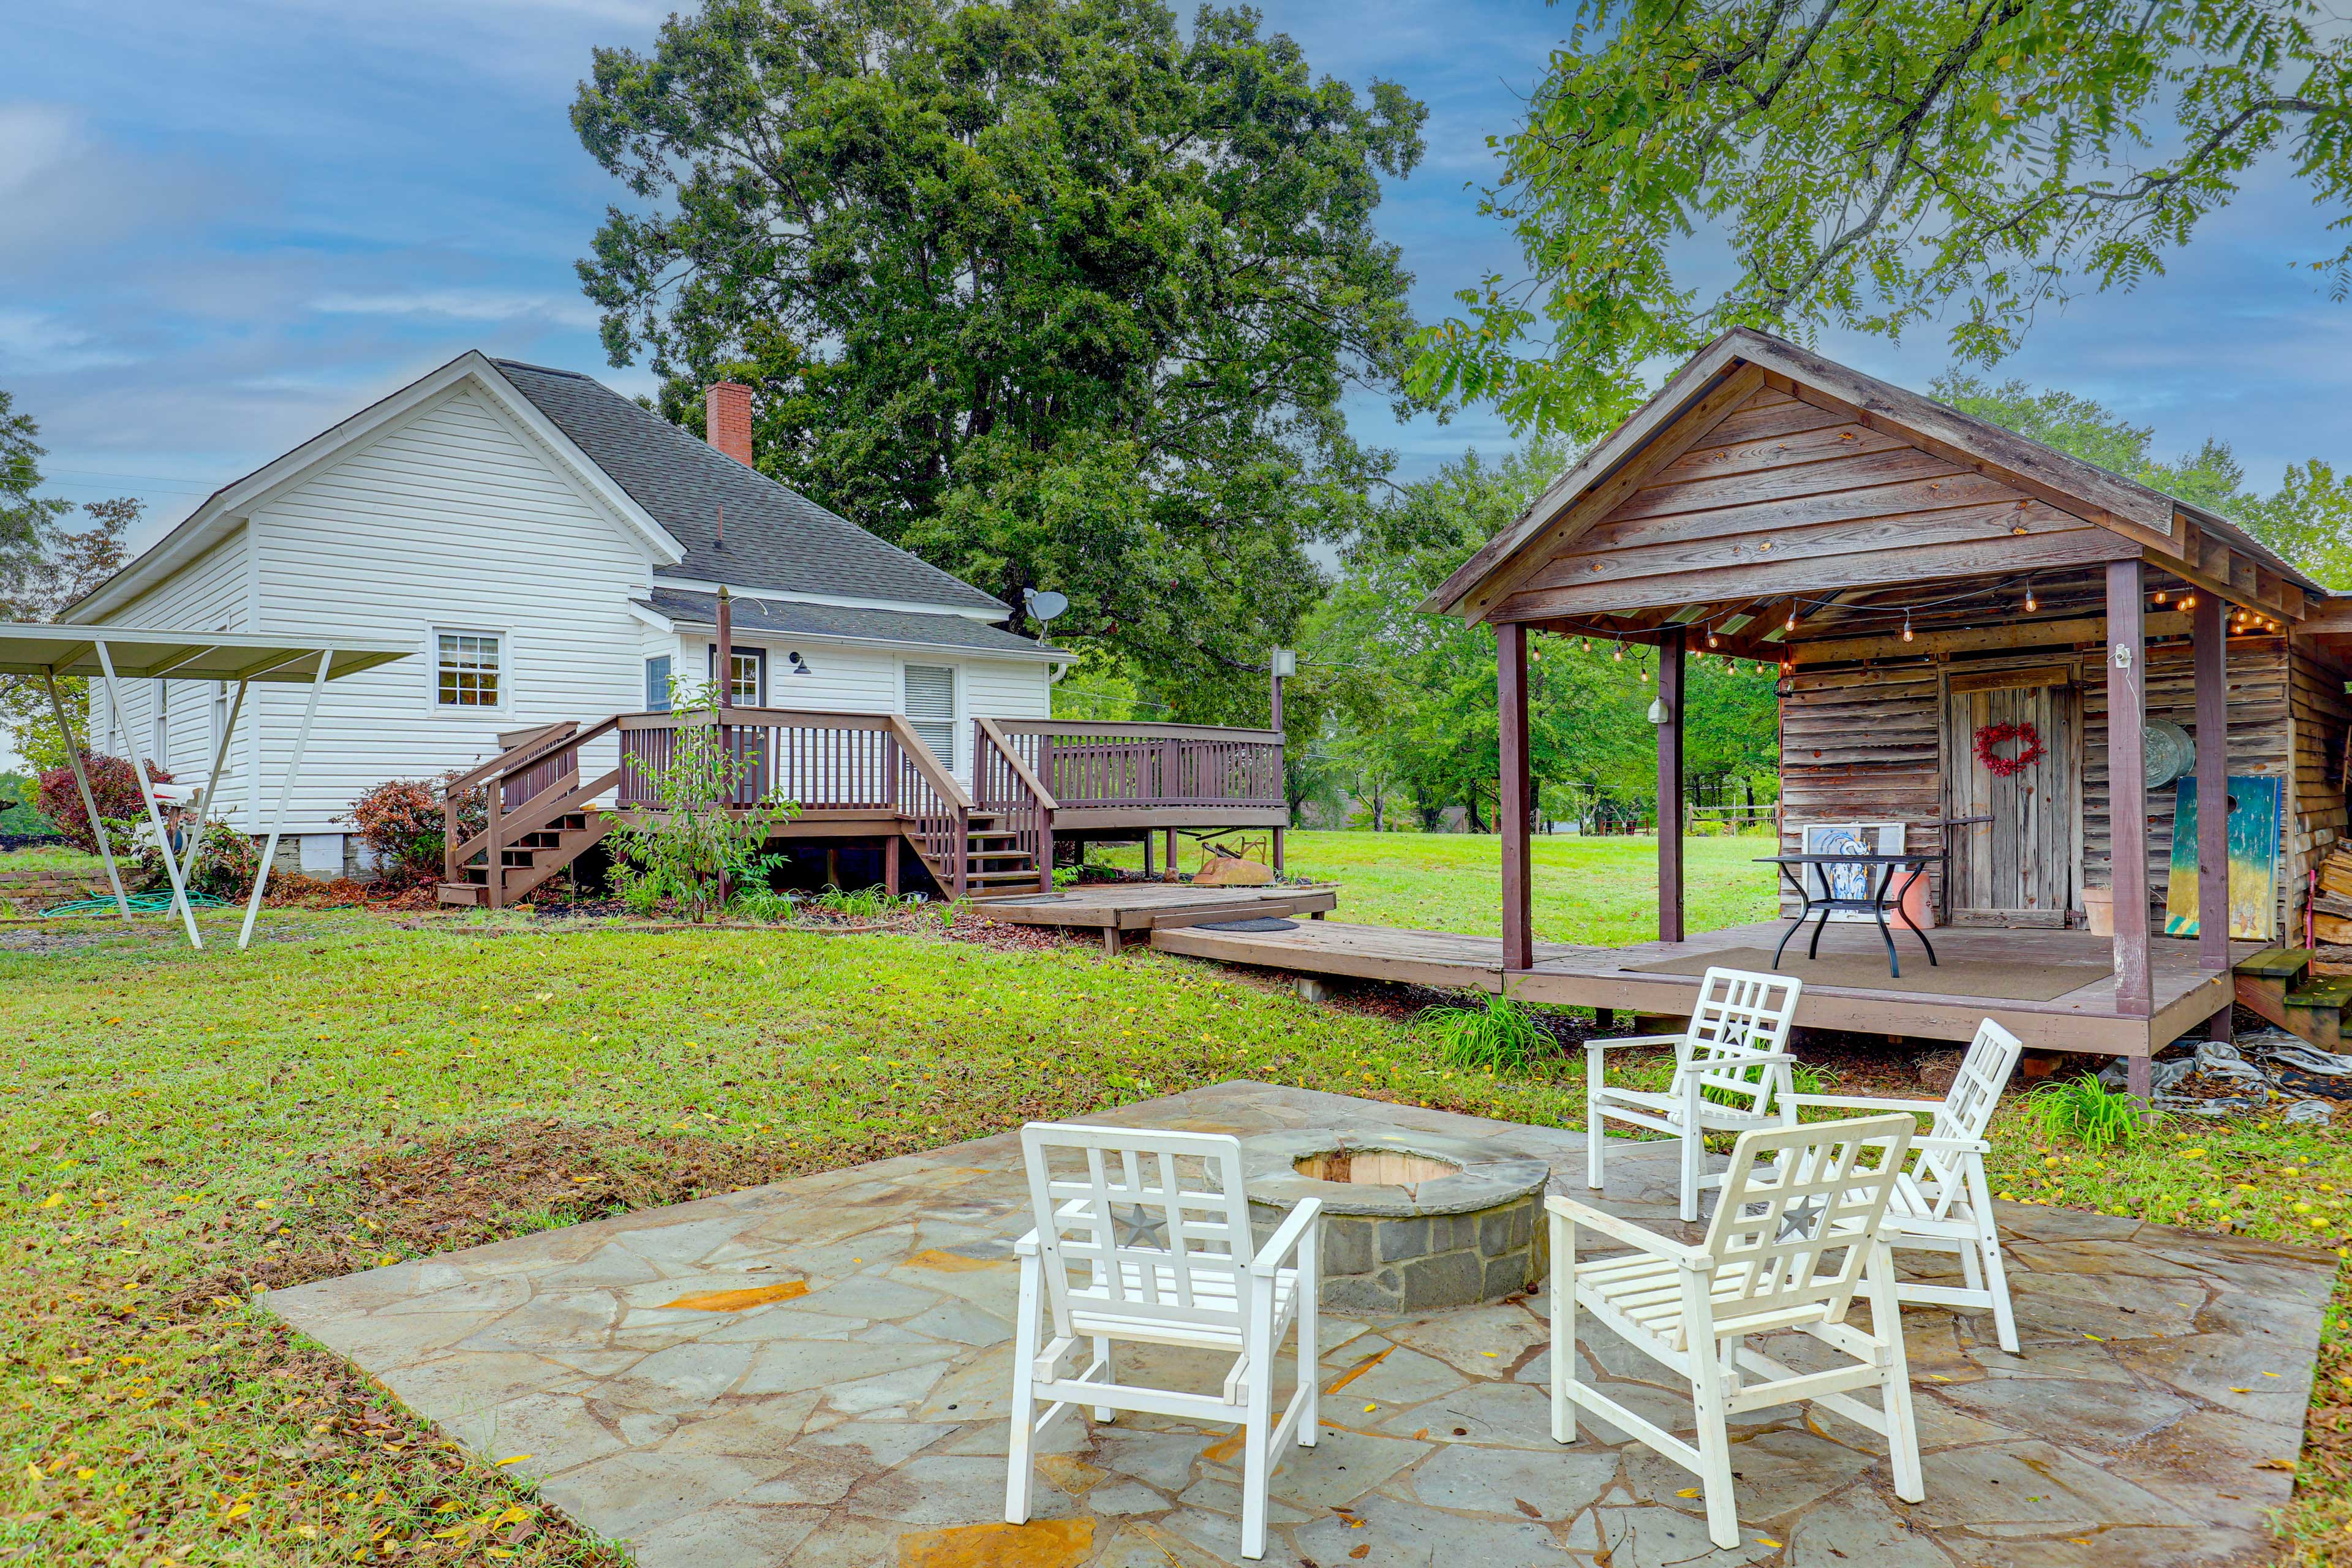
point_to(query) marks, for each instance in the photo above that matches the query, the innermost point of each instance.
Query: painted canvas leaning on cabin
(556, 554)
(2008, 668)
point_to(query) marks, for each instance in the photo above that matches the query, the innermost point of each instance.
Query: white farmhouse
(555, 553)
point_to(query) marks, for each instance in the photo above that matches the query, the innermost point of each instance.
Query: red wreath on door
(1991, 737)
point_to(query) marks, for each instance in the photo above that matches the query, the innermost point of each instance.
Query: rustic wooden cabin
(1938, 598)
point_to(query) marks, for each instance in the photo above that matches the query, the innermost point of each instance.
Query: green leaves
(1870, 167)
(1047, 292)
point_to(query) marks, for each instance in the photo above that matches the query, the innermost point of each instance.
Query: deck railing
(830, 764)
(1004, 786)
(873, 764)
(1098, 765)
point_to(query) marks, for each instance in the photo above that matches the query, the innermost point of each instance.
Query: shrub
(1497, 1036)
(696, 842)
(2091, 1113)
(112, 785)
(403, 822)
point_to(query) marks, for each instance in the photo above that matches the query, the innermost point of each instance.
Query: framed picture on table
(1860, 879)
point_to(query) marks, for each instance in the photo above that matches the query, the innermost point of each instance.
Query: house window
(658, 685)
(749, 686)
(930, 709)
(467, 673)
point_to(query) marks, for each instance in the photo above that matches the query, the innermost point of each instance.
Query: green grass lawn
(1597, 891)
(62, 859)
(181, 1129)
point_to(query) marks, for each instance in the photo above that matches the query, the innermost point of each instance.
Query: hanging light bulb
(1619, 653)
(1584, 645)
(1792, 618)
(2160, 598)
(1730, 665)
(2188, 601)
(1906, 625)
(2030, 605)
(1710, 637)
(1645, 675)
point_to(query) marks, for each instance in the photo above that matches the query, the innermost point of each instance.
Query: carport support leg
(286, 801)
(82, 783)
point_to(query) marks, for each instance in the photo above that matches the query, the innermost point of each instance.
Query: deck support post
(1148, 872)
(1512, 805)
(1671, 686)
(1169, 873)
(1277, 851)
(2127, 798)
(890, 865)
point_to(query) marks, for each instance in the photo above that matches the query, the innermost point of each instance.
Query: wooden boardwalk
(2081, 1019)
(1121, 911)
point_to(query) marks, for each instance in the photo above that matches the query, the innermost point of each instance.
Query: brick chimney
(727, 419)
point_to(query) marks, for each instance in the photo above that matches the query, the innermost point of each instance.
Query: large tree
(2308, 518)
(1047, 291)
(1873, 165)
(1412, 697)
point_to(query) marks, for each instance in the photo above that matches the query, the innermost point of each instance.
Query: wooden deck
(1120, 910)
(2084, 1019)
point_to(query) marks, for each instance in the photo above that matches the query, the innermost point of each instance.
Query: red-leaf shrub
(401, 821)
(112, 785)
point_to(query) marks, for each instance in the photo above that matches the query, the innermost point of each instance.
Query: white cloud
(41, 344)
(464, 305)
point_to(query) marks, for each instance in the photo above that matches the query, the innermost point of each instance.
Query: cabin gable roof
(1763, 467)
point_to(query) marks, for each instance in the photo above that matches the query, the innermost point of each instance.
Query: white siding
(208, 594)
(863, 678)
(455, 518)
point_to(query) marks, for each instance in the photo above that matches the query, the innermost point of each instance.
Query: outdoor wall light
(800, 664)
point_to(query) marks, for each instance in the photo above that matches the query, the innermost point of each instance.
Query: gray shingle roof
(776, 538)
(764, 618)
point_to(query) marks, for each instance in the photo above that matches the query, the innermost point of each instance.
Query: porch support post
(1511, 805)
(1670, 787)
(890, 865)
(2127, 797)
(2210, 637)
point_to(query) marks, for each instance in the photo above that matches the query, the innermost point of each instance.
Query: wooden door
(2024, 867)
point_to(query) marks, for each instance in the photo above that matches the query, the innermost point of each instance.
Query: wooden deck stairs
(2278, 984)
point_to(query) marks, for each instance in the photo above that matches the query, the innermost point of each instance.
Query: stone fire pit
(1411, 1221)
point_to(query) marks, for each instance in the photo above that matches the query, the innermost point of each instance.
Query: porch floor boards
(2084, 1019)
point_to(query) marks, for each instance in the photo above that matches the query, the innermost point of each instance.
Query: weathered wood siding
(2259, 745)
(2024, 866)
(1860, 745)
(1788, 494)
(2320, 716)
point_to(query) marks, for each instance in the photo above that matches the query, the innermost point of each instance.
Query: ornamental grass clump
(2092, 1114)
(1500, 1036)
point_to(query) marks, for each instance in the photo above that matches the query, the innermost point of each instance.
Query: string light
(1620, 654)
(1906, 625)
(1730, 665)
(1792, 618)
(2188, 601)
(2030, 605)
(1710, 637)
(2159, 599)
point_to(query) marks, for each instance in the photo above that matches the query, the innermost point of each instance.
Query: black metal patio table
(1828, 902)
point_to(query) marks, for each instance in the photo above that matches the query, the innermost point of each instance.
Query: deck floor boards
(2081, 1019)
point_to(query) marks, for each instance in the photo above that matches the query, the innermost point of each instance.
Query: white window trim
(433, 636)
(767, 669)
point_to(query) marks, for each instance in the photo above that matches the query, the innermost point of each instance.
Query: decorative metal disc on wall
(2168, 751)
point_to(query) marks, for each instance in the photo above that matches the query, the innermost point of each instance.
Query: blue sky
(223, 227)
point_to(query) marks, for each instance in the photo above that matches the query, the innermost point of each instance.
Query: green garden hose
(141, 904)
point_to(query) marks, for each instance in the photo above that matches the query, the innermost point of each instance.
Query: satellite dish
(1044, 605)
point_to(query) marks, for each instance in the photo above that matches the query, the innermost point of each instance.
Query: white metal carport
(111, 653)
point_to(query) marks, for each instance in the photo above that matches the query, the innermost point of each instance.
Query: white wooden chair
(1144, 1235)
(1729, 1066)
(1796, 1231)
(1943, 1201)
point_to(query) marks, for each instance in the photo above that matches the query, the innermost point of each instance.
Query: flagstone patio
(815, 1373)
